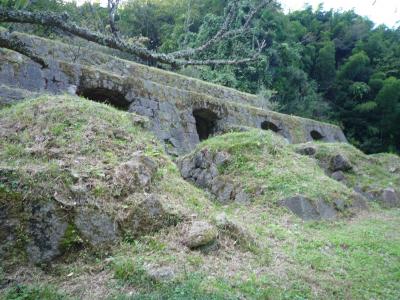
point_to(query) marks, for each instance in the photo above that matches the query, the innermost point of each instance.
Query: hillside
(93, 208)
(269, 169)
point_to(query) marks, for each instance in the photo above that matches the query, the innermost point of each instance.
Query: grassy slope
(51, 143)
(263, 160)
(355, 258)
(370, 171)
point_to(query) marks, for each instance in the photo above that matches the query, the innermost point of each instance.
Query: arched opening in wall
(317, 136)
(102, 95)
(266, 125)
(206, 122)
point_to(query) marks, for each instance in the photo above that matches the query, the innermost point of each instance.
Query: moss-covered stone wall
(178, 107)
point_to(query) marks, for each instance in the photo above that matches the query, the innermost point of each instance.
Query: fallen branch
(15, 44)
(62, 22)
(225, 32)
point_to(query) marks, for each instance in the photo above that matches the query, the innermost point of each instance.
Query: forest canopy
(333, 66)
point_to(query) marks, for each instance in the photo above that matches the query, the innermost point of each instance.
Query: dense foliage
(331, 65)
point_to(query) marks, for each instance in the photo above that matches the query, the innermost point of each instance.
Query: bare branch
(224, 32)
(61, 22)
(232, 10)
(238, 61)
(254, 12)
(261, 45)
(216, 62)
(188, 22)
(13, 43)
(112, 10)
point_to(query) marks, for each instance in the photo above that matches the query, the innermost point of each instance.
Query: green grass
(360, 260)
(67, 146)
(342, 260)
(189, 288)
(130, 271)
(263, 161)
(34, 292)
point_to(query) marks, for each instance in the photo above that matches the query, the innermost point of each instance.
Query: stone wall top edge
(191, 97)
(148, 71)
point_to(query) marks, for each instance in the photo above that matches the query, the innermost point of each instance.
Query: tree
(115, 40)
(325, 66)
(359, 90)
(388, 100)
(356, 68)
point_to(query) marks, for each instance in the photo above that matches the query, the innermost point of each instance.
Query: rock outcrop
(386, 197)
(389, 198)
(308, 209)
(202, 169)
(143, 216)
(339, 162)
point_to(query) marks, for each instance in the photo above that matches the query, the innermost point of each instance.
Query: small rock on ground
(200, 234)
(308, 209)
(340, 162)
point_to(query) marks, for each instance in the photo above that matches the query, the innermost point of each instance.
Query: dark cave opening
(102, 95)
(206, 122)
(317, 136)
(266, 125)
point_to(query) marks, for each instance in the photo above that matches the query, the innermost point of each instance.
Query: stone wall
(181, 110)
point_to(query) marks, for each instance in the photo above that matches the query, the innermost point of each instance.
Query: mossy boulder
(143, 214)
(96, 227)
(200, 234)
